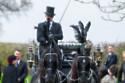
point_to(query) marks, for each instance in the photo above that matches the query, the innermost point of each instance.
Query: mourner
(10, 72)
(122, 70)
(111, 76)
(21, 67)
(112, 59)
(48, 31)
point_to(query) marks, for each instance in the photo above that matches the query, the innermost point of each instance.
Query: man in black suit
(21, 67)
(122, 70)
(111, 60)
(49, 30)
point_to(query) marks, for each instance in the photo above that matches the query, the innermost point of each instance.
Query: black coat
(10, 74)
(42, 32)
(112, 59)
(22, 71)
(122, 70)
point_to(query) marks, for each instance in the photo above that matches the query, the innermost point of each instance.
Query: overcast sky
(20, 28)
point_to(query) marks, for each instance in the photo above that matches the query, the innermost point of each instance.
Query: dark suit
(111, 60)
(10, 74)
(43, 32)
(22, 71)
(122, 70)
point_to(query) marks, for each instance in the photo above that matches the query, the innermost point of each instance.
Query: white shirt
(50, 26)
(18, 62)
(110, 53)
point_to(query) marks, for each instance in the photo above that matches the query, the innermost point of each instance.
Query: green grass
(28, 78)
(116, 80)
(1, 78)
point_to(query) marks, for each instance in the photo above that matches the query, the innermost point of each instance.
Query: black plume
(77, 32)
(81, 27)
(81, 32)
(88, 26)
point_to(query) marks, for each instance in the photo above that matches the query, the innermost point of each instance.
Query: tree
(115, 9)
(8, 7)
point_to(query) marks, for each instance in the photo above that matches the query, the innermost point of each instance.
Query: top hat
(50, 11)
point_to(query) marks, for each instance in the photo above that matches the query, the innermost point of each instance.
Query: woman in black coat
(10, 72)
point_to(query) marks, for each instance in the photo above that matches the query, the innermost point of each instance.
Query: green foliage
(9, 49)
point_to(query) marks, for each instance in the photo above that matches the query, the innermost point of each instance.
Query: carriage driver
(48, 30)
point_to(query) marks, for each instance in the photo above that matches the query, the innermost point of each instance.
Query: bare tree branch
(8, 7)
(109, 7)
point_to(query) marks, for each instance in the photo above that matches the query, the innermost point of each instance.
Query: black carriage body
(68, 51)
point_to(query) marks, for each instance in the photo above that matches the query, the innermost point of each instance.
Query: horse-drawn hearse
(64, 62)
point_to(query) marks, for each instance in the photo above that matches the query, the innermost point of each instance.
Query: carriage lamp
(98, 54)
(30, 56)
(36, 57)
(30, 62)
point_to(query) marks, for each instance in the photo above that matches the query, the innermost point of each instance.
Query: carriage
(67, 49)
(68, 63)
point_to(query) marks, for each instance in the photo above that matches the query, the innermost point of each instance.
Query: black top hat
(50, 11)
